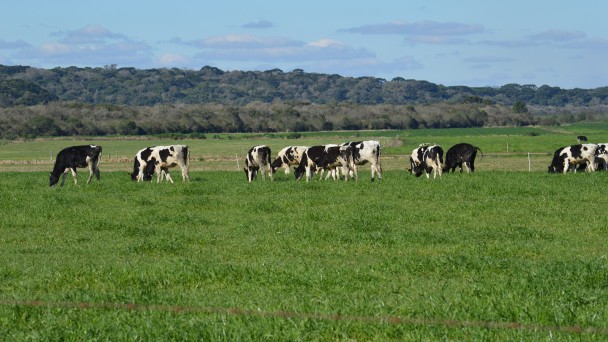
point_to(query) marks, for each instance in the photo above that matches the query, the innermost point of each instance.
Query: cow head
(416, 168)
(53, 179)
(299, 171)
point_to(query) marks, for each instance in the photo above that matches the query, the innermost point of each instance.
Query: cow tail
(186, 153)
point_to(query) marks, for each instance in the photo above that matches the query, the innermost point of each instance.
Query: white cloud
(426, 32)
(558, 36)
(89, 45)
(174, 59)
(239, 41)
(262, 24)
(247, 47)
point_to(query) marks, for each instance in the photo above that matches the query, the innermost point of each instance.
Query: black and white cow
(290, 155)
(74, 157)
(364, 152)
(601, 159)
(571, 156)
(258, 157)
(581, 139)
(459, 155)
(325, 157)
(427, 159)
(158, 159)
(601, 156)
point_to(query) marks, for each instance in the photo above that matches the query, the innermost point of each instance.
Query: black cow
(258, 157)
(581, 139)
(158, 159)
(325, 157)
(74, 157)
(459, 155)
(426, 159)
(566, 157)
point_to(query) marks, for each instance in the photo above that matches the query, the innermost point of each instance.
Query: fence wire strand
(393, 320)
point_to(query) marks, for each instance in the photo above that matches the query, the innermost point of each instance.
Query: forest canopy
(111, 100)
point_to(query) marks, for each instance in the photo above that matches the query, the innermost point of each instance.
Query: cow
(158, 159)
(601, 159)
(571, 156)
(258, 157)
(581, 139)
(290, 155)
(601, 156)
(325, 157)
(459, 155)
(364, 152)
(74, 157)
(426, 159)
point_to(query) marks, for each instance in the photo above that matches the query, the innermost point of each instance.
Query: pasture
(501, 254)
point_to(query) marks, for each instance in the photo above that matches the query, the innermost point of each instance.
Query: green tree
(519, 107)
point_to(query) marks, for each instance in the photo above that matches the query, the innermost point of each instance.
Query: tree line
(127, 101)
(81, 119)
(23, 85)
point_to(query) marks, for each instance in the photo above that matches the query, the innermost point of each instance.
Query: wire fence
(393, 320)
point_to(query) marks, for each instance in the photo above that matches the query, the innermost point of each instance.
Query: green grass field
(498, 255)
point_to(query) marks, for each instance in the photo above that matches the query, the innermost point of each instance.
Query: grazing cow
(258, 157)
(601, 156)
(459, 155)
(601, 159)
(364, 152)
(426, 159)
(566, 157)
(158, 159)
(325, 157)
(73, 157)
(581, 139)
(290, 155)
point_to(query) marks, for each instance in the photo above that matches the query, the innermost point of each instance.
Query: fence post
(529, 163)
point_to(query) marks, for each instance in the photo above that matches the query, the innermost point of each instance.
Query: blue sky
(451, 42)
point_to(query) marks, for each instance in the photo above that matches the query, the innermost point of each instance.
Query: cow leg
(168, 176)
(185, 174)
(439, 169)
(91, 172)
(97, 171)
(63, 175)
(567, 166)
(346, 171)
(262, 170)
(140, 174)
(160, 173)
(379, 170)
(74, 175)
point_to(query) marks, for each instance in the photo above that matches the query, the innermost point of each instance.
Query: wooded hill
(111, 100)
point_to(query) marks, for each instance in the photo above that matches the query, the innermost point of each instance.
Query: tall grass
(495, 255)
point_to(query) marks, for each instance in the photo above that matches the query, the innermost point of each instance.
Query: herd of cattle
(337, 160)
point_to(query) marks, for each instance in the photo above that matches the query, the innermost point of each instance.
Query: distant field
(504, 149)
